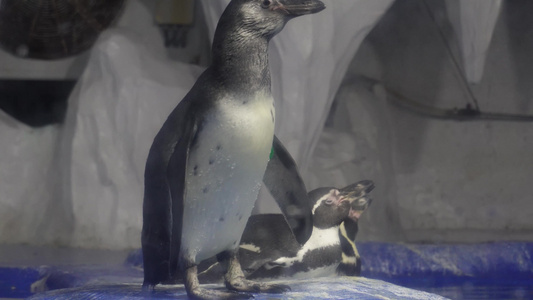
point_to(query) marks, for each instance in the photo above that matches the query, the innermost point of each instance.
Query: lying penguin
(205, 166)
(269, 250)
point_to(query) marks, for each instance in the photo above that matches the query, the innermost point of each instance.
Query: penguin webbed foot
(148, 288)
(236, 281)
(244, 285)
(194, 291)
(206, 294)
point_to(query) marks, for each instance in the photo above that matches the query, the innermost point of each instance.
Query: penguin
(205, 165)
(269, 250)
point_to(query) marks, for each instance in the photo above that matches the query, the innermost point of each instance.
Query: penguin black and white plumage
(269, 250)
(206, 164)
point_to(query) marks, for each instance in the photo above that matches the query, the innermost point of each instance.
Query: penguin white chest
(224, 173)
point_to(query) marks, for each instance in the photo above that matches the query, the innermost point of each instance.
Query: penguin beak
(295, 8)
(356, 194)
(358, 189)
(358, 207)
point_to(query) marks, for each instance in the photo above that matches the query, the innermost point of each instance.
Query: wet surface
(324, 288)
(391, 271)
(472, 288)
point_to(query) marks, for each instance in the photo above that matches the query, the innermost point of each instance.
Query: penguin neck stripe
(350, 241)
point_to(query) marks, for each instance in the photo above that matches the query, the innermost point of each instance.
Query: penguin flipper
(288, 189)
(158, 232)
(156, 222)
(176, 173)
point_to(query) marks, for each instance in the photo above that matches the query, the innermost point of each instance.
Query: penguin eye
(266, 3)
(329, 201)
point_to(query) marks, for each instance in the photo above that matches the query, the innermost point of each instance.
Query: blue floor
(478, 271)
(481, 271)
(321, 288)
(473, 289)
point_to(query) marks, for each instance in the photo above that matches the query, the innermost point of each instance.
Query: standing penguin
(205, 166)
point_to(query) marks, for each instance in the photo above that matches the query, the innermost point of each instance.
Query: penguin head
(330, 209)
(332, 206)
(266, 18)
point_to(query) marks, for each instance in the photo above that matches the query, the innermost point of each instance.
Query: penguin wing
(176, 172)
(164, 179)
(288, 189)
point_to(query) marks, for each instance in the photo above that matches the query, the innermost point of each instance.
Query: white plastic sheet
(26, 179)
(121, 101)
(474, 22)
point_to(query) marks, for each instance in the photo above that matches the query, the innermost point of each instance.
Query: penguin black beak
(295, 8)
(358, 207)
(356, 194)
(358, 189)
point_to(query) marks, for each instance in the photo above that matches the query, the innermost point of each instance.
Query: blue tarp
(478, 271)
